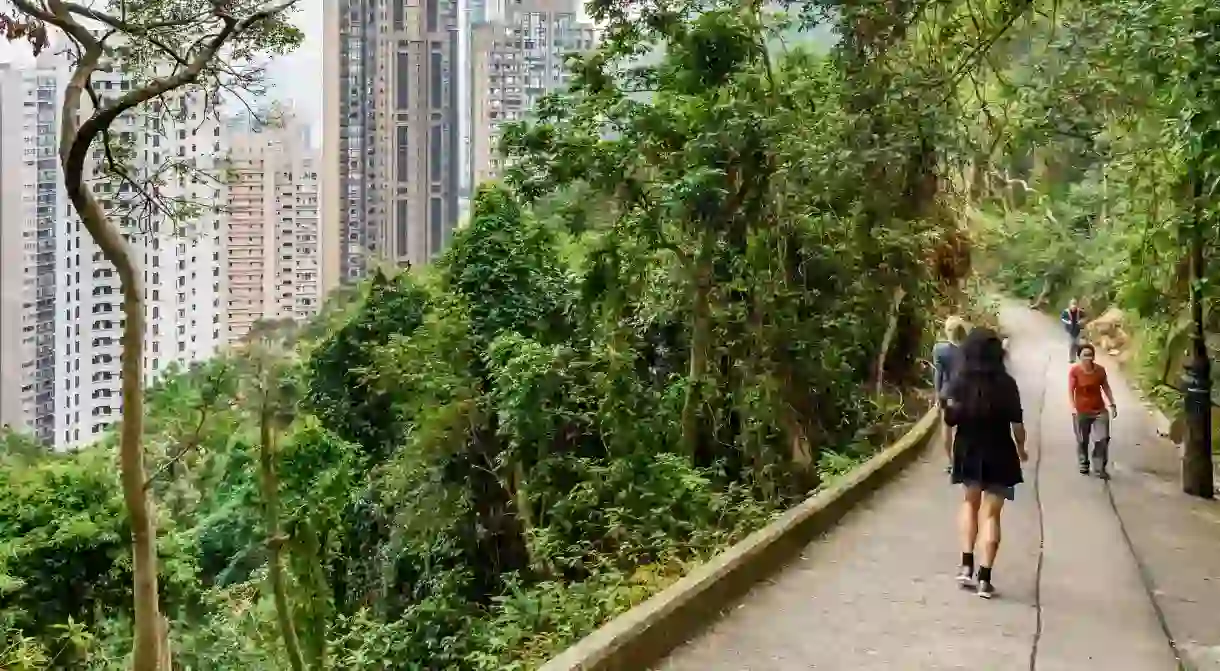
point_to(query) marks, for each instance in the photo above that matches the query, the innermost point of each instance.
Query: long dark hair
(980, 384)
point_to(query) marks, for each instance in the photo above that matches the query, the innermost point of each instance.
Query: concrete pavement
(1076, 568)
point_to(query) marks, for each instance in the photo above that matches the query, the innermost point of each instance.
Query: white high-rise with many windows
(33, 208)
(63, 297)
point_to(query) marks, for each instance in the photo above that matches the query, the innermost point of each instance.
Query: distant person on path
(946, 356)
(1073, 319)
(984, 405)
(1087, 381)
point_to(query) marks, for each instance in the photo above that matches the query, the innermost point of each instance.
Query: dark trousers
(1073, 347)
(1097, 427)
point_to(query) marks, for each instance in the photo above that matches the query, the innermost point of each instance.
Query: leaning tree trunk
(700, 345)
(149, 638)
(540, 564)
(73, 149)
(275, 540)
(1043, 295)
(76, 142)
(148, 631)
(891, 329)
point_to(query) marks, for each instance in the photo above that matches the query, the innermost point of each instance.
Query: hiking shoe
(965, 577)
(985, 590)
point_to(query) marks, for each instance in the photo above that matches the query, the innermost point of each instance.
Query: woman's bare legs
(993, 506)
(968, 530)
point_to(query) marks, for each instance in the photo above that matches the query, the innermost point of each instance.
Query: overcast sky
(296, 78)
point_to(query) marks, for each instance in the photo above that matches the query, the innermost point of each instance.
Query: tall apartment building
(271, 264)
(517, 56)
(14, 266)
(392, 77)
(69, 304)
(470, 12)
(31, 206)
(32, 269)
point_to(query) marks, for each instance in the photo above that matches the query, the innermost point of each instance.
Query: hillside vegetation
(678, 314)
(1099, 122)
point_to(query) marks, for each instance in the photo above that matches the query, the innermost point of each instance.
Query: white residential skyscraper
(66, 363)
(32, 205)
(16, 262)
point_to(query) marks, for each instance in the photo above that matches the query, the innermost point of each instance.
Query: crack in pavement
(1146, 579)
(1037, 638)
(1141, 568)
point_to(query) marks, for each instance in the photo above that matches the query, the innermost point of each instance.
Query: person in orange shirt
(1087, 382)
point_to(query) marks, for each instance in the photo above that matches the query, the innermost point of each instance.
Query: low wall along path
(1122, 576)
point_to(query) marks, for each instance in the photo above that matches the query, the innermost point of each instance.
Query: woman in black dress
(984, 404)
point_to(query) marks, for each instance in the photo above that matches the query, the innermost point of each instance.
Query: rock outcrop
(1107, 334)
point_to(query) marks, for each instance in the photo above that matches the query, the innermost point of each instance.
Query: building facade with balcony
(518, 56)
(271, 262)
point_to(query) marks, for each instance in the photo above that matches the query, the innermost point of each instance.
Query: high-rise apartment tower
(392, 137)
(517, 56)
(61, 324)
(32, 205)
(271, 263)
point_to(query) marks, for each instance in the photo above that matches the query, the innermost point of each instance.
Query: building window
(434, 73)
(435, 217)
(400, 12)
(431, 18)
(403, 82)
(402, 152)
(434, 154)
(402, 217)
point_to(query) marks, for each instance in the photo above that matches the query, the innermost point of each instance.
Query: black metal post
(1197, 479)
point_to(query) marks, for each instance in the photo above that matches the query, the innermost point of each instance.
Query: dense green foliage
(704, 287)
(1095, 117)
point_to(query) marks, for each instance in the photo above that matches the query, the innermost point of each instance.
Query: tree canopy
(706, 286)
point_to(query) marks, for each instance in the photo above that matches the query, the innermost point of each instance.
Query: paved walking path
(1078, 562)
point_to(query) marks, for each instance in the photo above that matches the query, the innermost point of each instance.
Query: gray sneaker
(985, 590)
(965, 577)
